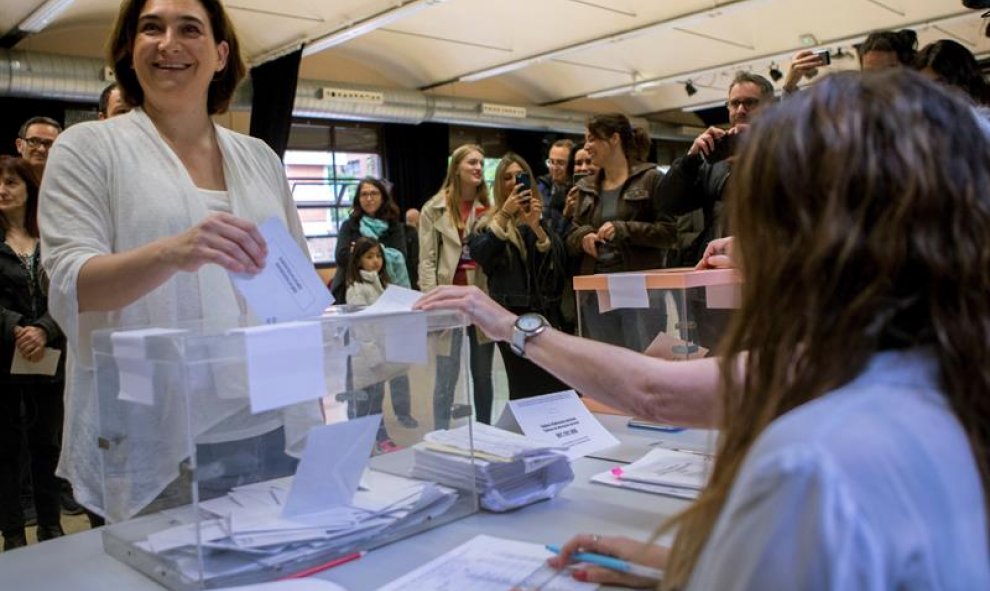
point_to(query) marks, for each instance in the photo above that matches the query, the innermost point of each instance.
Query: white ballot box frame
(170, 501)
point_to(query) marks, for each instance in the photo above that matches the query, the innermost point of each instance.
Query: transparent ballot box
(233, 454)
(670, 313)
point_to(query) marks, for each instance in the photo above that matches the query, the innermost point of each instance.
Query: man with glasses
(34, 140)
(554, 185)
(693, 187)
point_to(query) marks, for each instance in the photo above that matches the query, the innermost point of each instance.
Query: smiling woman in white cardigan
(144, 215)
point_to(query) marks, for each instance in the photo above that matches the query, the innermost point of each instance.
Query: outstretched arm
(679, 392)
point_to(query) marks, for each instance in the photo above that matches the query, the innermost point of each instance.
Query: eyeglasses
(558, 163)
(369, 194)
(37, 142)
(749, 103)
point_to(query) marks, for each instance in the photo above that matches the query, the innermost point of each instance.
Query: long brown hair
(120, 55)
(635, 141)
(861, 217)
(451, 189)
(21, 169)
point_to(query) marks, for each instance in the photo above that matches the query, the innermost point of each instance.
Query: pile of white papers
(248, 530)
(670, 472)
(487, 563)
(508, 469)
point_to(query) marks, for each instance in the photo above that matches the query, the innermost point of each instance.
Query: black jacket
(644, 231)
(20, 307)
(350, 231)
(533, 284)
(693, 185)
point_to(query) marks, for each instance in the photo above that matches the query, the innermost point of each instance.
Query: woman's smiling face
(175, 54)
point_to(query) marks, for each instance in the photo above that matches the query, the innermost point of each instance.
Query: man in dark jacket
(694, 185)
(553, 187)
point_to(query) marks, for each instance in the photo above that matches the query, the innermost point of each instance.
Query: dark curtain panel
(415, 160)
(533, 146)
(274, 93)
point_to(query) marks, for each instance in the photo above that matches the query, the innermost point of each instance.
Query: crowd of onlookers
(601, 207)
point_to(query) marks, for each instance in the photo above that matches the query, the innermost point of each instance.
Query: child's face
(372, 260)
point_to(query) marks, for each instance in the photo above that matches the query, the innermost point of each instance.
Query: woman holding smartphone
(525, 262)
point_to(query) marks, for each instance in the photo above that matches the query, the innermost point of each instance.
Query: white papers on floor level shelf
(487, 563)
(509, 470)
(669, 472)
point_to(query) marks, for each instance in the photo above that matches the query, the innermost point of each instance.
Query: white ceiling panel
(434, 43)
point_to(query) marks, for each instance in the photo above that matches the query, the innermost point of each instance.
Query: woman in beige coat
(446, 221)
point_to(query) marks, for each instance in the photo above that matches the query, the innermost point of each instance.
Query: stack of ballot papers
(509, 470)
(670, 472)
(248, 530)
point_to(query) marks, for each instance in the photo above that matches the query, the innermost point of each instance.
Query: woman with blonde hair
(855, 448)
(525, 263)
(445, 223)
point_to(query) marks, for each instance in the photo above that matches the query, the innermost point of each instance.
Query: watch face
(529, 322)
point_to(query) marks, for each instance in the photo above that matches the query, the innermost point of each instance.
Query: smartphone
(825, 56)
(576, 178)
(522, 178)
(724, 147)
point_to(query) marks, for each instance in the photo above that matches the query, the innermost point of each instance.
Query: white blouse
(873, 486)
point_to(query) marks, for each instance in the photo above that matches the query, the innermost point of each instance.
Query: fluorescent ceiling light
(44, 15)
(612, 92)
(354, 30)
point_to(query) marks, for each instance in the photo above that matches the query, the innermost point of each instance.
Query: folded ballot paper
(669, 472)
(334, 502)
(508, 469)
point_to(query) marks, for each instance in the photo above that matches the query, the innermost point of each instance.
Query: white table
(77, 562)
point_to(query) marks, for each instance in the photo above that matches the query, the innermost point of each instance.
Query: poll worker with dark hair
(852, 388)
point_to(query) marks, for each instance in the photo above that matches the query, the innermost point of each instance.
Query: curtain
(274, 94)
(533, 146)
(415, 160)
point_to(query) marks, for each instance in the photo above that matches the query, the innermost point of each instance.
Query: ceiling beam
(626, 34)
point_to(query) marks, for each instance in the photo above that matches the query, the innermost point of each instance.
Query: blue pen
(612, 563)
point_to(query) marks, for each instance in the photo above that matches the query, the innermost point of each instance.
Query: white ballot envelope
(288, 288)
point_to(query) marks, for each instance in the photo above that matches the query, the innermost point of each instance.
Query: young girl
(366, 275)
(366, 279)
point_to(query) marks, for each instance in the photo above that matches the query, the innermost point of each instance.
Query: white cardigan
(110, 187)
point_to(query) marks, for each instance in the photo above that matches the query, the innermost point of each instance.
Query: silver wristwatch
(526, 327)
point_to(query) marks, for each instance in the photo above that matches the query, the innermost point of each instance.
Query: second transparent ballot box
(671, 313)
(232, 454)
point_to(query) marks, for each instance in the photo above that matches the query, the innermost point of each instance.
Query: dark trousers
(481, 356)
(526, 379)
(374, 397)
(30, 414)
